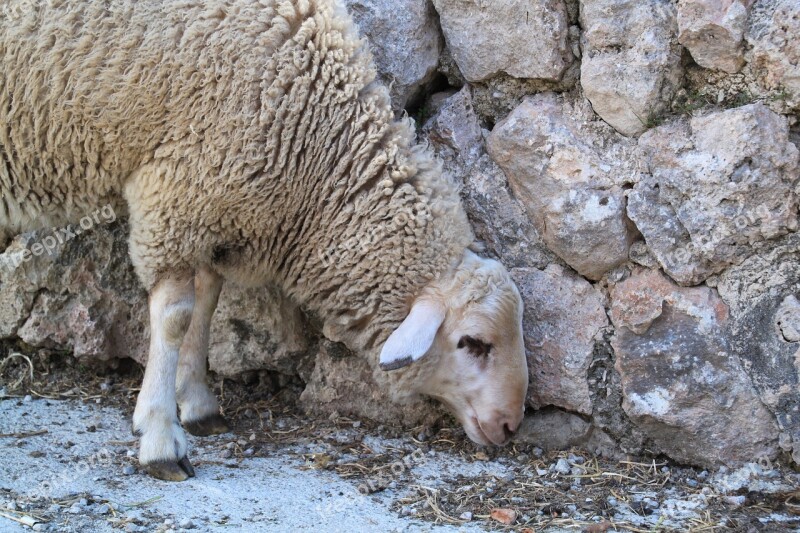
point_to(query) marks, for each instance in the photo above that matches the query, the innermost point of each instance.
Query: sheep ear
(414, 337)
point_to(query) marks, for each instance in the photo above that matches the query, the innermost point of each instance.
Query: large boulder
(405, 40)
(717, 184)
(498, 218)
(570, 175)
(762, 295)
(522, 38)
(713, 31)
(682, 382)
(631, 63)
(563, 316)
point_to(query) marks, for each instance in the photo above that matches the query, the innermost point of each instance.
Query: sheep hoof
(170, 470)
(210, 425)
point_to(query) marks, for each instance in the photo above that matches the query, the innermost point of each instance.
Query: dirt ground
(68, 463)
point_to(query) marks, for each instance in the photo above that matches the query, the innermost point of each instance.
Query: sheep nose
(511, 423)
(503, 427)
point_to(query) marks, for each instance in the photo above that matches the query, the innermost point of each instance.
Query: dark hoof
(170, 470)
(210, 425)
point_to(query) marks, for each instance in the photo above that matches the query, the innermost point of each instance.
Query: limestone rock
(346, 384)
(498, 219)
(682, 382)
(84, 297)
(405, 41)
(717, 184)
(713, 30)
(570, 176)
(80, 295)
(553, 429)
(563, 315)
(775, 53)
(631, 60)
(762, 294)
(255, 329)
(523, 38)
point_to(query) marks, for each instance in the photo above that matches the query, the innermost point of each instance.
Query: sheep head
(462, 340)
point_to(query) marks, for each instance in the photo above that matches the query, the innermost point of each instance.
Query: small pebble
(406, 510)
(12, 506)
(130, 453)
(702, 475)
(691, 482)
(54, 508)
(538, 452)
(508, 478)
(129, 470)
(40, 526)
(83, 502)
(562, 466)
(230, 445)
(105, 386)
(103, 509)
(736, 501)
(27, 398)
(186, 523)
(577, 459)
(422, 437)
(522, 458)
(357, 424)
(75, 509)
(226, 453)
(169, 522)
(252, 437)
(466, 516)
(248, 452)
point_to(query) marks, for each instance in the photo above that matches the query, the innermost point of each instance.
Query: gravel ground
(68, 463)
(82, 476)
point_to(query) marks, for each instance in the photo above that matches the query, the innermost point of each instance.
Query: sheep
(247, 142)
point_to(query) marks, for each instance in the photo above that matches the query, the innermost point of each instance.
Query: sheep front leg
(162, 450)
(199, 408)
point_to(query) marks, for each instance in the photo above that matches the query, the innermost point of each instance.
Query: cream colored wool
(248, 136)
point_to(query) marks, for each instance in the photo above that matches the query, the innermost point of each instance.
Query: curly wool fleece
(249, 136)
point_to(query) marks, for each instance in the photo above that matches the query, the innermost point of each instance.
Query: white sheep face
(469, 329)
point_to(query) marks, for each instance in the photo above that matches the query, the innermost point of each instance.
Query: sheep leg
(198, 406)
(162, 450)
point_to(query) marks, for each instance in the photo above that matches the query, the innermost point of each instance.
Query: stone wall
(635, 165)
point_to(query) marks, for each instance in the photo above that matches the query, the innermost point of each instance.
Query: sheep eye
(474, 346)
